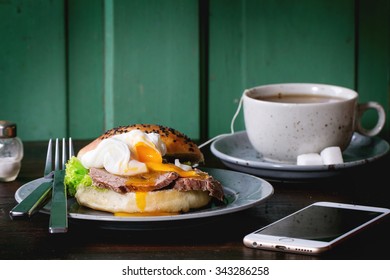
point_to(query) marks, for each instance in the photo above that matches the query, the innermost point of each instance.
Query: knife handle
(59, 206)
(28, 206)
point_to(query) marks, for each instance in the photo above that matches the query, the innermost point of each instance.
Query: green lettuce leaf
(76, 175)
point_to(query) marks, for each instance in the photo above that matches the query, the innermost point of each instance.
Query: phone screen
(319, 223)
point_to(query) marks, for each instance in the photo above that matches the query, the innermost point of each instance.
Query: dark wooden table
(219, 239)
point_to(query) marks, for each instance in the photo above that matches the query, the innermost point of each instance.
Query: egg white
(118, 155)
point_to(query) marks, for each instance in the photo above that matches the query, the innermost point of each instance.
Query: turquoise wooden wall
(76, 68)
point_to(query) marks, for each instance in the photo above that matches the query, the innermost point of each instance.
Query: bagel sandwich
(141, 168)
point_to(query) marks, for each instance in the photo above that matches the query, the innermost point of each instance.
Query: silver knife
(59, 206)
(30, 205)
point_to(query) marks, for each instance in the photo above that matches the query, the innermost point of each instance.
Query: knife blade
(59, 207)
(28, 206)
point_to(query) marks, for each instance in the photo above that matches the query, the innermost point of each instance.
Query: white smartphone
(315, 228)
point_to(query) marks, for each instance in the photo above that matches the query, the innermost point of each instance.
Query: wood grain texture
(217, 238)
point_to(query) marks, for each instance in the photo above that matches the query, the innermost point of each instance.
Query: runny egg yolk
(153, 160)
(145, 214)
(140, 199)
(145, 153)
(169, 167)
(145, 180)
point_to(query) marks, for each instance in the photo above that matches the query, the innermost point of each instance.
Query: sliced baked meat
(152, 181)
(209, 184)
(122, 184)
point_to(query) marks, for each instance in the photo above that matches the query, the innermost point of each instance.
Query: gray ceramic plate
(242, 191)
(236, 152)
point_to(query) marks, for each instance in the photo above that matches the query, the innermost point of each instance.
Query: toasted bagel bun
(179, 146)
(163, 201)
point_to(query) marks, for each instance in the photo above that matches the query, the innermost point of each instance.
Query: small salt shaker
(11, 151)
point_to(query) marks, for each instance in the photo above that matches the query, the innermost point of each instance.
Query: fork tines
(65, 153)
(49, 160)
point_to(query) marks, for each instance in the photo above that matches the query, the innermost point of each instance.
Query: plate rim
(268, 165)
(263, 185)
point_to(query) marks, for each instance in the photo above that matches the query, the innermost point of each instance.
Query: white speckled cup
(280, 129)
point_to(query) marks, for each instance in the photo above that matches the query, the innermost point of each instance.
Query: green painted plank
(259, 42)
(121, 62)
(374, 57)
(227, 69)
(85, 68)
(156, 64)
(32, 67)
(109, 55)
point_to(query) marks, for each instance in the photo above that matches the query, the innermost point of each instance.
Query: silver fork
(59, 209)
(29, 206)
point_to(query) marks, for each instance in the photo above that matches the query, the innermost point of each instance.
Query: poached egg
(133, 153)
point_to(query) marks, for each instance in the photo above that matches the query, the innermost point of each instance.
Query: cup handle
(362, 108)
